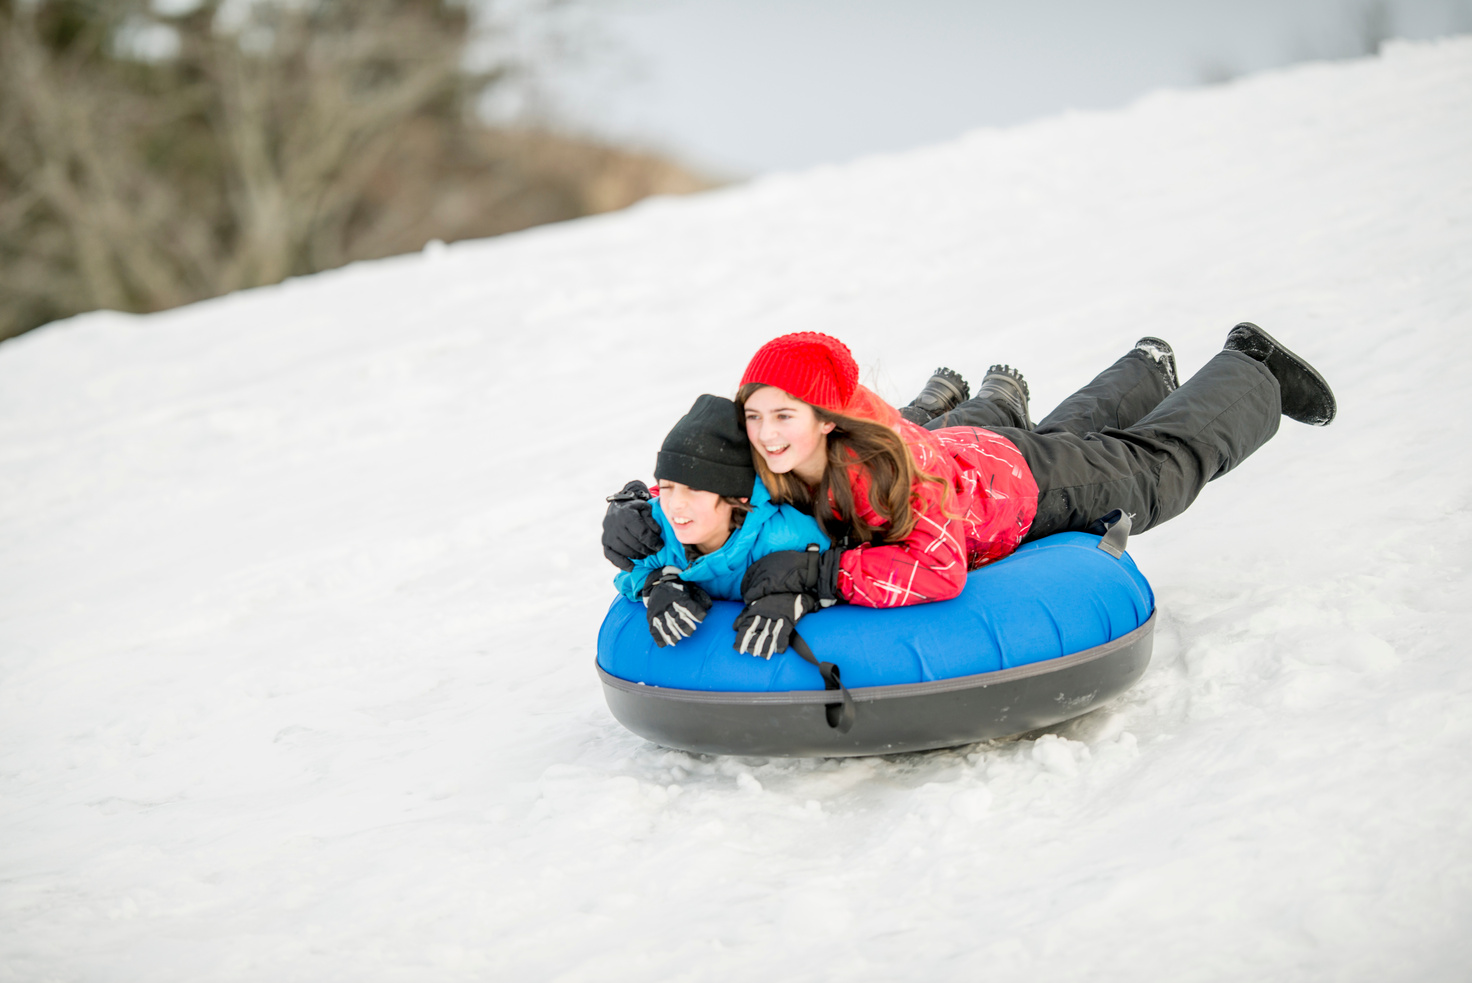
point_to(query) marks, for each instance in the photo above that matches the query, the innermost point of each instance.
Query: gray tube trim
(869, 694)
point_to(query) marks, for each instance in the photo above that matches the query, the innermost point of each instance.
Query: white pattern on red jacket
(992, 501)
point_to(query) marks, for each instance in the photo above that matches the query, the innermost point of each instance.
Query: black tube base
(888, 719)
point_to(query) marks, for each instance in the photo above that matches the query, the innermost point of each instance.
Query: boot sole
(932, 401)
(1172, 377)
(1008, 374)
(954, 378)
(1282, 361)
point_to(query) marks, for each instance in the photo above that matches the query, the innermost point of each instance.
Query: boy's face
(700, 518)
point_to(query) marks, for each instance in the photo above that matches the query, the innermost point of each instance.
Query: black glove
(675, 608)
(766, 624)
(807, 571)
(630, 528)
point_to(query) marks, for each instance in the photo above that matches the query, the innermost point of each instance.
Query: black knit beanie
(708, 450)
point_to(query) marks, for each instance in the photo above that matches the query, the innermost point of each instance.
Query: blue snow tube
(1052, 631)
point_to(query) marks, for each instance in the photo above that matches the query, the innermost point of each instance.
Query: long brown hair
(853, 443)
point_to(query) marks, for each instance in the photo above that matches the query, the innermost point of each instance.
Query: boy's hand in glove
(675, 608)
(765, 626)
(630, 529)
(811, 571)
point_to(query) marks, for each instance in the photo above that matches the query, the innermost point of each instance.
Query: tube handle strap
(840, 715)
(1115, 528)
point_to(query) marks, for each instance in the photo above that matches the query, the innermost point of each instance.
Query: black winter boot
(1004, 384)
(1306, 397)
(1164, 359)
(944, 392)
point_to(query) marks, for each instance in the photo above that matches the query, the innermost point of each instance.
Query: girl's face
(787, 434)
(701, 518)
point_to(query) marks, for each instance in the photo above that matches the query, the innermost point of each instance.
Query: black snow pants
(1123, 442)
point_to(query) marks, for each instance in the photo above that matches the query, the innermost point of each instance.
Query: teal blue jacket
(767, 529)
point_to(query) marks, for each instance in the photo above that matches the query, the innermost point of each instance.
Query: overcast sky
(745, 86)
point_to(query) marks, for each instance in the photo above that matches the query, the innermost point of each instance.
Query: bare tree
(274, 138)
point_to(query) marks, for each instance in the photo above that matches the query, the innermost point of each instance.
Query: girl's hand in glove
(630, 530)
(765, 626)
(809, 571)
(675, 608)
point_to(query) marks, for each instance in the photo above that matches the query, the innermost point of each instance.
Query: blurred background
(158, 152)
(744, 86)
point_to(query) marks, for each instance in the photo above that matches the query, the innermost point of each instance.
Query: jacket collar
(736, 544)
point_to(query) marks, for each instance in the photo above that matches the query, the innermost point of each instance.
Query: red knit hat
(814, 367)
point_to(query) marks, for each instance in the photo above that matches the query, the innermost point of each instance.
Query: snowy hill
(300, 590)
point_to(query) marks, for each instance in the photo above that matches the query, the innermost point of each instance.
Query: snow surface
(301, 586)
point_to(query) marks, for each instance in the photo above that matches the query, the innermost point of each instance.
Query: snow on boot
(1307, 398)
(944, 392)
(1005, 385)
(1164, 358)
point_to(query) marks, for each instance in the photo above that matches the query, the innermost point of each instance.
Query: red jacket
(992, 501)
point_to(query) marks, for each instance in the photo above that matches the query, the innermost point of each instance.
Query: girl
(913, 509)
(712, 518)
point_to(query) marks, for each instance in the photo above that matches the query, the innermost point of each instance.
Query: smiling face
(787, 434)
(701, 518)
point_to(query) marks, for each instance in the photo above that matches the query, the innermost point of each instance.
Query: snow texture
(301, 586)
